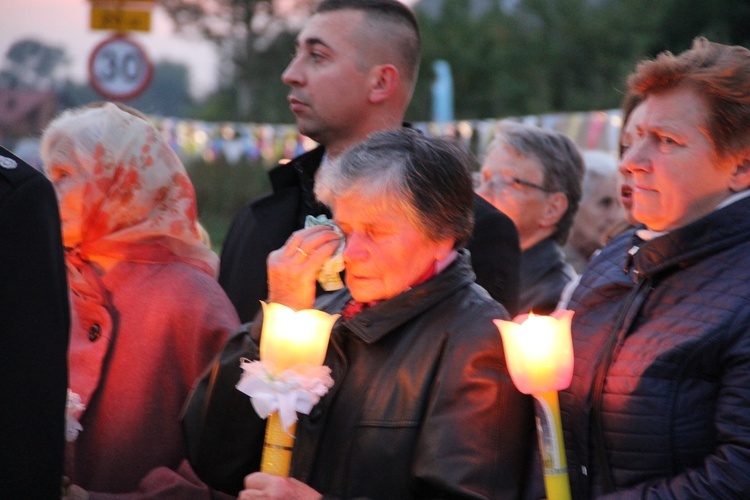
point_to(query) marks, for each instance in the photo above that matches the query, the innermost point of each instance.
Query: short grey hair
(428, 177)
(561, 161)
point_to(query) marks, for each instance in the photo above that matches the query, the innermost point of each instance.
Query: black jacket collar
(375, 322)
(721, 229)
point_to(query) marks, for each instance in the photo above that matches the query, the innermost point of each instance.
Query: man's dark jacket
(422, 405)
(659, 406)
(266, 223)
(544, 274)
(34, 332)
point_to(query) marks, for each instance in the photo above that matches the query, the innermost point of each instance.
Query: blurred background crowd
(555, 64)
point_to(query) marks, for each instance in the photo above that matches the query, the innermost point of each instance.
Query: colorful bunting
(272, 142)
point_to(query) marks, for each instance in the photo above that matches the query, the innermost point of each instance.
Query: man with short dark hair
(353, 74)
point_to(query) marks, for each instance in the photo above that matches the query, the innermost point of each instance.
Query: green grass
(222, 189)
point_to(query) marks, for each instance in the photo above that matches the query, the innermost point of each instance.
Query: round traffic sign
(119, 68)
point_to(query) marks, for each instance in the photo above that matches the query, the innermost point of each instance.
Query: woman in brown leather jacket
(422, 403)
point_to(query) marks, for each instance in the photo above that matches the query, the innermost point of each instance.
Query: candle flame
(538, 351)
(290, 338)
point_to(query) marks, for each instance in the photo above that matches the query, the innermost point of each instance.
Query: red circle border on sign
(137, 91)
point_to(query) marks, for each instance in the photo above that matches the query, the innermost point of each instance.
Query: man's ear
(385, 79)
(740, 180)
(554, 209)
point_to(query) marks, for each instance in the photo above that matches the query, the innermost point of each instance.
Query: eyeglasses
(505, 180)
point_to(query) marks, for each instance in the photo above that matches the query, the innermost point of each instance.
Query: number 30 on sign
(119, 68)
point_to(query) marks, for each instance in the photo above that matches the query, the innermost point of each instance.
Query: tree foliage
(508, 57)
(541, 56)
(723, 21)
(537, 56)
(32, 65)
(256, 39)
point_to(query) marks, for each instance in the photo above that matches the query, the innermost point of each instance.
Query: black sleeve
(34, 332)
(496, 254)
(224, 435)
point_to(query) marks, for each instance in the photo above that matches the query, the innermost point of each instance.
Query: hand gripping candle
(289, 377)
(539, 355)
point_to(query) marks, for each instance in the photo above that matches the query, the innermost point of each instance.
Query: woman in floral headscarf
(148, 315)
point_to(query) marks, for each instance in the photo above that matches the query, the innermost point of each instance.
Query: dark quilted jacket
(659, 406)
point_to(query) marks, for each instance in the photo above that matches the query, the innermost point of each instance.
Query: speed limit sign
(119, 68)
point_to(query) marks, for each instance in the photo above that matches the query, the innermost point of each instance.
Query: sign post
(119, 68)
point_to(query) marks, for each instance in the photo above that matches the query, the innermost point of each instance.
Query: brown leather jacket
(422, 403)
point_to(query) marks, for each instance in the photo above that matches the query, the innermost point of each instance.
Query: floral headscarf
(138, 203)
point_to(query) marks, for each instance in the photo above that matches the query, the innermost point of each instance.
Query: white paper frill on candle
(73, 407)
(294, 390)
(289, 377)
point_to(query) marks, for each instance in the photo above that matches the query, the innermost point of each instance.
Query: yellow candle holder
(539, 355)
(552, 446)
(290, 341)
(277, 447)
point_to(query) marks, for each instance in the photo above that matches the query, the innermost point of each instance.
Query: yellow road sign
(118, 19)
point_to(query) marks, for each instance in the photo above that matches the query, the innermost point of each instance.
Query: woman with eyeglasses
(534, 176)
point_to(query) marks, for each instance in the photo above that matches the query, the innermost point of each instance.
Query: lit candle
(289, 339)
(539, 355)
